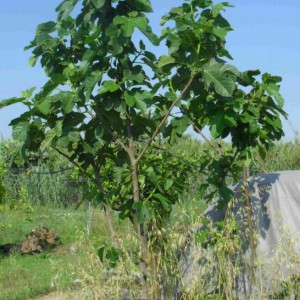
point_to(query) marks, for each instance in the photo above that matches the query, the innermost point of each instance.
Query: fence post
(90, 218)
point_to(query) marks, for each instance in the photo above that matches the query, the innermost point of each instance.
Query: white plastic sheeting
(275, 205)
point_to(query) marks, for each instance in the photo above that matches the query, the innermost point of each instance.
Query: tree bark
(143, 241)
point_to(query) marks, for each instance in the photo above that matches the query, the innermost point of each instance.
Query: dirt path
(76, 295)
(53, 296)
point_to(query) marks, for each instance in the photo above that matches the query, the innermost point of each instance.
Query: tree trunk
(143, 241)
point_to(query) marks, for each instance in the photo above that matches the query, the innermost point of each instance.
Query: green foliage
(116, 94)
(283, 156)
(162, 183)
(46, 189)
(110, 254)
(47, 269)
(44, 176)
(22, 203)
(109, 96)
(3, 191)
(2, 187)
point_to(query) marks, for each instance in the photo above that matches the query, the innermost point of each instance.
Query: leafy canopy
(106, 92)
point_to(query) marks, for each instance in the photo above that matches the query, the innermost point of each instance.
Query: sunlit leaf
(10, 101)
(108, 86)
(98, 3)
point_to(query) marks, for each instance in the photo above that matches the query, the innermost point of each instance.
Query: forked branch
(162, 122)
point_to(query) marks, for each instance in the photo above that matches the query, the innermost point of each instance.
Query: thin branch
(91, 114)
(74, 163)
(162, 122)
(19, 170)
(122, 145)
(208, 141)
(97, 177)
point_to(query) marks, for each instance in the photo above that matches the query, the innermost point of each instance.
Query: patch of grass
(16, 223)
(27, 276)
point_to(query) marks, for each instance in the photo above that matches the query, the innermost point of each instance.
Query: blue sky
(266, 36)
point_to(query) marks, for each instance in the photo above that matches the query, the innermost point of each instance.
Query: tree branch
(122, 145)
(162, 122)
(207, 140)
(74, 163)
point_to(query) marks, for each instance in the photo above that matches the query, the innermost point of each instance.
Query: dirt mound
(38, 240)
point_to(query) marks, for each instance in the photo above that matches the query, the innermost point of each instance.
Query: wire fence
(43, 186)
(55, 187)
